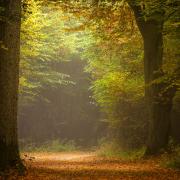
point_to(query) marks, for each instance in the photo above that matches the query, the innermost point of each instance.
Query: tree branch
(137, 9)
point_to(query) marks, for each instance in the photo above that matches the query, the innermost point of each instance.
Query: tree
(114, 56)
(159, 97)
(42, 46)
(48, 51)
(159, 89)
(9, 79)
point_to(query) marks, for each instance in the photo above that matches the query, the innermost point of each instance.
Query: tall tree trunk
(9, 77)
(159, 100)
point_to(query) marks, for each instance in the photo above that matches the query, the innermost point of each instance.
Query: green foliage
(44, 44)
(113, 50)
(108, 39)
(50, 146)
(172, 160)
(114, 58)
(116, 87)
(112, 149)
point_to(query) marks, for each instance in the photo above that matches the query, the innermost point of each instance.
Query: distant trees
(9, 77)
(42, 46)
(63, 113)
(152, 19)
(52, 80)
(114, 55)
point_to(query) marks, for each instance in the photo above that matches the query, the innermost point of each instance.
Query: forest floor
(87, 166)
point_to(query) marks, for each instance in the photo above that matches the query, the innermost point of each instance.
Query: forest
(89, 89)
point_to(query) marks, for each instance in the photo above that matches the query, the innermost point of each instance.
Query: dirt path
(87, 166)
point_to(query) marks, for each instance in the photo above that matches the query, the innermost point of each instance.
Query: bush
(112, 149)
(53, 146)
(173, 160)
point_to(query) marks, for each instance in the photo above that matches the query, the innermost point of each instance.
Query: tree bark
(9, 80)
(159, 99)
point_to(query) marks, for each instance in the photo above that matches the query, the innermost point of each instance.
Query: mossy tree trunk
(9, 77)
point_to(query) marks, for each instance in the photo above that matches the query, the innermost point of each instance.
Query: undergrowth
(113, 150)
(172, 160)
(51, 146)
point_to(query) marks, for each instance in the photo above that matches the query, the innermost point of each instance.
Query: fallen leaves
(87, 166)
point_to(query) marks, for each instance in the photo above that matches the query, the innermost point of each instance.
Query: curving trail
(87, 166)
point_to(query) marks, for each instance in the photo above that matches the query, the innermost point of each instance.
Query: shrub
(52, 146)
(173, 160)
(112, 149)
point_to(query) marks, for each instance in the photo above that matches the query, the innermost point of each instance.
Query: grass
(113, 150)
(52, 146)
(172, 160)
